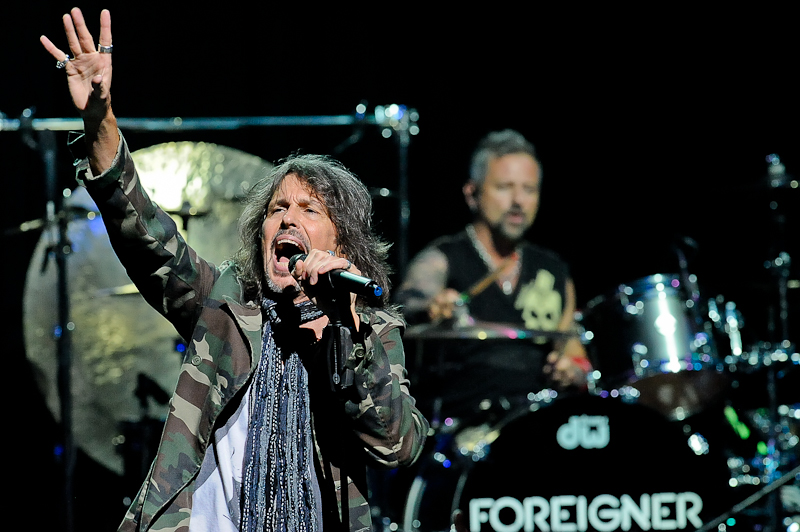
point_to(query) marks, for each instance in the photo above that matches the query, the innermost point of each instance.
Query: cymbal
(480, 331)
(202, 184)
(116, 337)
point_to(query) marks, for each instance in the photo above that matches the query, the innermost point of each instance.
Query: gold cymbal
(202, 184)
(115, 335)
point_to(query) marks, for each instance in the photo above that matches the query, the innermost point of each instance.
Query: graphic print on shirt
(540, 303)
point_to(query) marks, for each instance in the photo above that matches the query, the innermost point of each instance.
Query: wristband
(582, 363)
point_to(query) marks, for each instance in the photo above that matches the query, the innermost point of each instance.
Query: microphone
(343, 280)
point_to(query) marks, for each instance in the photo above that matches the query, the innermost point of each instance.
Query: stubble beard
(506, 236)
(292, 290)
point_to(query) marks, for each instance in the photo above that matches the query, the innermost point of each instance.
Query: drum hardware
(764, 389)
(775, 370)
(776, 449)
(766, 491)
(763, 386)
(627, 394)
(732, 325)
(58, 249)
(765, 374)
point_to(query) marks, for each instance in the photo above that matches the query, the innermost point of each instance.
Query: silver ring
(62, 64)
(332, 253)
(348, 264)
(105, 49)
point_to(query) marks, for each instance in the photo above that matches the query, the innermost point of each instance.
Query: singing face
(296, 222)
(508, 198)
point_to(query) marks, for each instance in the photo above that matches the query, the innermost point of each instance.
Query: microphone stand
(339, 330)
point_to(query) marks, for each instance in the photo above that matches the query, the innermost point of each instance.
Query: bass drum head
(581, 464)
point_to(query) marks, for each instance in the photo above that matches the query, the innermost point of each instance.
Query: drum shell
(654, 334)
(464, 378)
(640, 457)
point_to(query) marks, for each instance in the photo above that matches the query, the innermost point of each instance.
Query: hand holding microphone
(341, 280)
(329, 290)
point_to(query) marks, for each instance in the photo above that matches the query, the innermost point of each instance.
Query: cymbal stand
(780, 269)
(402, 121)
(692, 291)
(55, 226)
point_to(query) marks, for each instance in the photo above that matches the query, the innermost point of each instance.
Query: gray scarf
(279, 491)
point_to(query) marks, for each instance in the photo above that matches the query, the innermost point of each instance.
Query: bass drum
(583, 463)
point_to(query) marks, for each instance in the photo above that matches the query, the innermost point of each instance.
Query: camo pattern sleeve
(166, 271)
(373, 421)
(219, 332)
(384, 413)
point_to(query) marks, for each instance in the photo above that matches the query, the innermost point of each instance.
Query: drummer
(490, 273)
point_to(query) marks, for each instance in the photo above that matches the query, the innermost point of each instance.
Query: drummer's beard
(506, 234)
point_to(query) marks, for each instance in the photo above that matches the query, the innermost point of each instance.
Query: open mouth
(515, 216)
(285, 248)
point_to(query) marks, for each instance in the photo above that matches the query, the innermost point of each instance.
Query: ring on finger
(62, 64)
(349, 264)
(105, 49)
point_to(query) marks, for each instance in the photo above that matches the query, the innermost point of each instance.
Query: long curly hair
(349, 206)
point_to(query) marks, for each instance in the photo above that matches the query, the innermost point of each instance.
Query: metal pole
(175, 124)
(59, 249)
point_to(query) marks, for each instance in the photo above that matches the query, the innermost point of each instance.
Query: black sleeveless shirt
(537, 301)
(473, 373)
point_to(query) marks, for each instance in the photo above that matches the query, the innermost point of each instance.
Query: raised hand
(88, 67)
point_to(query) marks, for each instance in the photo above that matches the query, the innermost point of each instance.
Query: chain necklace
(506, 281)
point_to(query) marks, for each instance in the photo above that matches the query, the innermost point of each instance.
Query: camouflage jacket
(376, 424)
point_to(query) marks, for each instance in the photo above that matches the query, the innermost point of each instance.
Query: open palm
(88, 71)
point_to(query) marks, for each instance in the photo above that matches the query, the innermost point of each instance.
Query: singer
(257, 438)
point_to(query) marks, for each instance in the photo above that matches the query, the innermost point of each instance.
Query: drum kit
(679, 422)
(683, 425)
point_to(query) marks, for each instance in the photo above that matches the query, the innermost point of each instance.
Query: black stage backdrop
(653, 127)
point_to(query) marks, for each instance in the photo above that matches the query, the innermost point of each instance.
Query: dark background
(652, 126)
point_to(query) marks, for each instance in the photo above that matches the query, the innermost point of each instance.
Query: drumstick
(484, 283)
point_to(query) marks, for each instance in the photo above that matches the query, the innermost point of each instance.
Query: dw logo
(589, 432)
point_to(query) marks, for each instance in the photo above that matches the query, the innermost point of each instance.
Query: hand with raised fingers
(88, 65)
